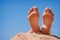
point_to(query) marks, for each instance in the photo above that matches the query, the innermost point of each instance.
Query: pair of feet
(48, 18)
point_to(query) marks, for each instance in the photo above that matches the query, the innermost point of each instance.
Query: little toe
(31, 10)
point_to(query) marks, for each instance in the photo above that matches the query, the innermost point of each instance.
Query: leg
(33, 17)
(48, 18)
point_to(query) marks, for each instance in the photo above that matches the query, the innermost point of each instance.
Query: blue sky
(14, 16)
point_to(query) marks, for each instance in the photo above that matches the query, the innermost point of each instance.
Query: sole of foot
(33, 17)
(48, 18)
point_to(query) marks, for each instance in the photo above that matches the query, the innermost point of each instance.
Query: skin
(33, 16)
(48, 17)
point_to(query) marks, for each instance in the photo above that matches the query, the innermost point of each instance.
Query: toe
(30, 11)
(35, 9)
(48, 11)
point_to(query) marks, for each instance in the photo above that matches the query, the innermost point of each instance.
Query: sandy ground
(34, 36)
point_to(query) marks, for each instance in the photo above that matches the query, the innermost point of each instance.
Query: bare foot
(33, 17)
(48, 18)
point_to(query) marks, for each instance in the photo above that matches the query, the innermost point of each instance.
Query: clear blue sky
(14, 16)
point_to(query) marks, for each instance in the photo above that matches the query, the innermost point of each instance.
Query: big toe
(36, 9)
